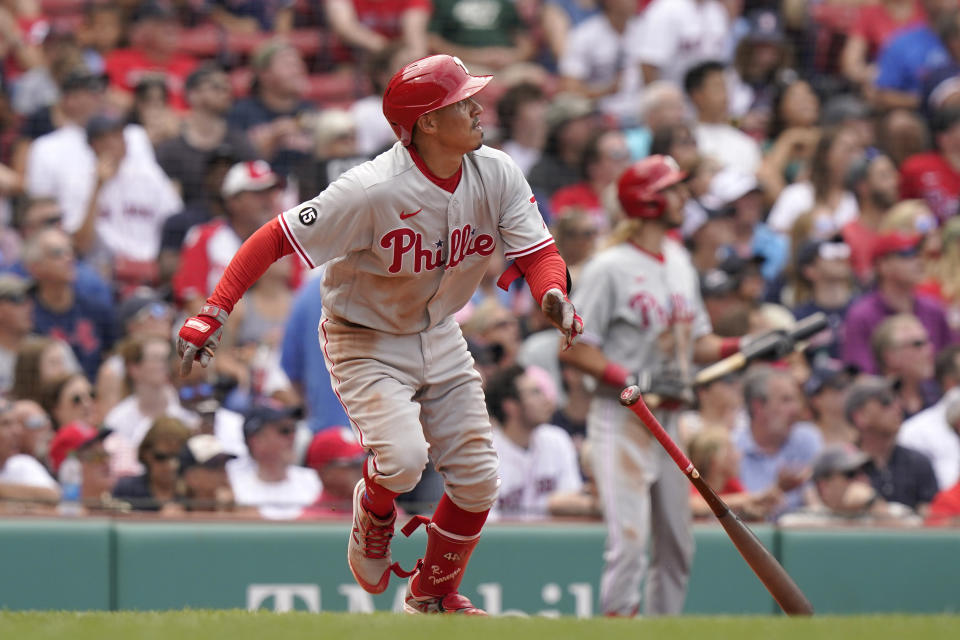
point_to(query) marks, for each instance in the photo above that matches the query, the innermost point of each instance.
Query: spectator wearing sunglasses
(159, 453)
(22, 478)
(897, 473)
(268, 479)
(33, 215)
(152, 395)
(70, 398)
(204, 485)
(826, 390)
(899, 270)
(37, 430)
(16, 323)
(904, 356)
(845, 496)
(823, 282)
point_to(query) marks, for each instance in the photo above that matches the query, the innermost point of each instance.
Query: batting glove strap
(212, 311)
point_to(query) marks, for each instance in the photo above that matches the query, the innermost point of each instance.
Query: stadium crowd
(142, 142)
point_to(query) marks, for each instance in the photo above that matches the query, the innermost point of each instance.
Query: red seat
(339, 87)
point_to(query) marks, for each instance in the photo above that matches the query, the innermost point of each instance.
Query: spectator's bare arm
(343, 20)
(25, 493)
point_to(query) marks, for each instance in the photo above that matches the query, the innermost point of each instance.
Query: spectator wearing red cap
(337, 458)
(86, 443)
(249, 193)
(22, 477)
(934, 176)
(898, 271)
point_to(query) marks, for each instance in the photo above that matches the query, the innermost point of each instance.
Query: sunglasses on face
(286, 431)
(851, 474)
(15, 298)
(163, 456)
(202, 390)
(78, 398)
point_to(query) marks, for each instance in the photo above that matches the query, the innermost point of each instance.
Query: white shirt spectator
(529, 476)
(27, 471)
(133, 206)
(798, 198)
(596, 54)
(525, 157)
(228, 428)
(373, 131)
(129, 425)
(679, 34)
(728, 145)
(62, 165)
(275, 500)
(929, 433)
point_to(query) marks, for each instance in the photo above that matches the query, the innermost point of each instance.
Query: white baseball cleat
(368, 549)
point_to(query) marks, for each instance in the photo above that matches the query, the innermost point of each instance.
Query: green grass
(239, 625)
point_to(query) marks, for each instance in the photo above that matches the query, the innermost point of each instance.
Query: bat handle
(632, 398)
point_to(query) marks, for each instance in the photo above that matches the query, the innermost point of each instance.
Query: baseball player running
(647, 324)
(407, 237)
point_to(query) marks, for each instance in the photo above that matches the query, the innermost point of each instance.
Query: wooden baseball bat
(773, 576)
(809, 326)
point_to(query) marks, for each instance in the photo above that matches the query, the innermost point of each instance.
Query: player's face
(458, 126)
(676, 196)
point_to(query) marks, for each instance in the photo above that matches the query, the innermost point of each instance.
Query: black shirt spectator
(908, 478)
(136, 491)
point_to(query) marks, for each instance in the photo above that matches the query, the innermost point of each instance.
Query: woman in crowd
(159, 453)
(68, 399)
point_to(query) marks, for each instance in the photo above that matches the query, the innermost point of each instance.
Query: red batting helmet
(426, 85)
(638, 189)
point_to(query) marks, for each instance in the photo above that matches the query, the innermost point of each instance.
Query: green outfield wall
(521, 570)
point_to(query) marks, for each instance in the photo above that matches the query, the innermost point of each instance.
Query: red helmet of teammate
(639, 188)
(426, 85)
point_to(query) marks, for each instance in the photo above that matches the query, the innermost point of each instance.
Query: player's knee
(407, 462)
(479, 494)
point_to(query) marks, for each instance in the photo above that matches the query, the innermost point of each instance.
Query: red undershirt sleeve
(543, 270)
(267, 245)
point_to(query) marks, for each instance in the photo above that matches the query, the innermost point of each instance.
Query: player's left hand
(562, 314)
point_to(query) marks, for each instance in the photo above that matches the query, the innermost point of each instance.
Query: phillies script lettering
(404, 241)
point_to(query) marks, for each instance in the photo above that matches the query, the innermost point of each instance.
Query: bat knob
(630, 395)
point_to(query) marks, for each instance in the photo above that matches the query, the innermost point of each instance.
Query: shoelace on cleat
(376, 541)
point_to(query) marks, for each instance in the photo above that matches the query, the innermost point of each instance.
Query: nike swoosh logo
(404, 216)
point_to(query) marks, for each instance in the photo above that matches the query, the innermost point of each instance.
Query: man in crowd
(904, 355)
(16, 323)
(897, 473)
(268, 479)
(898, 270)
(777, 447)
(88, 326)
(538, 461)
(338, 459)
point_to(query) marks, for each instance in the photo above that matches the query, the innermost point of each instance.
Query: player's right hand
(199, 337)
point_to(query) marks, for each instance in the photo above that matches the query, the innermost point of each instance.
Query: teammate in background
(647, 326)
(407, 238)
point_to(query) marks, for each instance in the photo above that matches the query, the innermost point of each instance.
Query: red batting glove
(199, 337)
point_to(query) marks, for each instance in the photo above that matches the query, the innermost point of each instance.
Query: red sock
(377, 499)
(452, 519)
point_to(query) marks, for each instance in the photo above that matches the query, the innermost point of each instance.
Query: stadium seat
(53, 8)
(201, 42)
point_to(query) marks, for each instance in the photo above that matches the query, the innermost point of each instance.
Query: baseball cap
(101, 124)
(763, 25)
(728, 186)
(737, 266)
(716, 282)
(334, 445)
(825, 249)
(203, 450)
(896, 242)
(696, 215)
(827, 372)
(13, 288)
(255, 175)
(71, 437)
(265, 413)
(865, 390)
(142, 302)
(838, 458)
(566, 107)
(83, 79)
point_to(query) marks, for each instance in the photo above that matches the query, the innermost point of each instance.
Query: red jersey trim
(293, 241)
(656, 256)
(519, 253)
(447, 184)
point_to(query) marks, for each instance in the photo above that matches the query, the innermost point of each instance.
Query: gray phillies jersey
(634, 304)
(404, 253)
